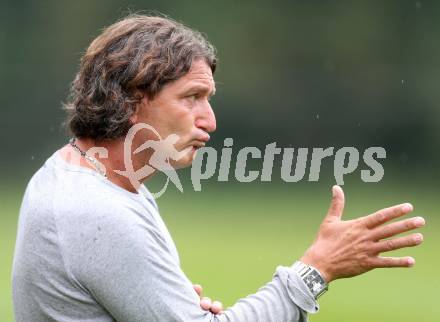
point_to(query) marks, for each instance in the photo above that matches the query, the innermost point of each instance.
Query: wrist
(311, 277)
(319, 265)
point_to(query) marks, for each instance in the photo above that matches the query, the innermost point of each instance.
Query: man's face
(182, 108)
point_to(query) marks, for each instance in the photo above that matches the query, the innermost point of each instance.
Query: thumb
(337, 204)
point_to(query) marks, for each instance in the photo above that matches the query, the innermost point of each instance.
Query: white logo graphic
(164, 150)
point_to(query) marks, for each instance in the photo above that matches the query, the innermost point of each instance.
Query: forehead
(199, 75)
(199, 68)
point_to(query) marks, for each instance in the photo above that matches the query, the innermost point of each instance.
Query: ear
(134, 117)
(138, 109)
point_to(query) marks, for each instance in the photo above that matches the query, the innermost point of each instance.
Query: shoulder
(80, 204)
(101, 226)
(92, 203)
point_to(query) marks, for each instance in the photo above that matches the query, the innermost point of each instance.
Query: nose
(206, 119)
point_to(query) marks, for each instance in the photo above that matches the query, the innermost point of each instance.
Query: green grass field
(232, 237)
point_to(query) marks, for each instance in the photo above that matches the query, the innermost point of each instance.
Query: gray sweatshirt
(88, 250)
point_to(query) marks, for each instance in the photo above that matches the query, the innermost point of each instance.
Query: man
(91, 245)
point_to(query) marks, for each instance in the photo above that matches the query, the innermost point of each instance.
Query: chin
(185, 161)
(181, 166)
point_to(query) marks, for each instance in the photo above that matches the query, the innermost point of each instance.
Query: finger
(206, 303)
(337, 204)
(383, 262)
(397, 243)
(198, 288)
(382, 216)
(216, 307)
(395, 228)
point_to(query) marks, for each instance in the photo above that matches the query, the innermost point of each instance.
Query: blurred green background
(299, 73)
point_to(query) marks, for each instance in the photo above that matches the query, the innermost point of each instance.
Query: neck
(117, 165)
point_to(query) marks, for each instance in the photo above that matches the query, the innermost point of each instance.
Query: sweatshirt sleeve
(123, 261)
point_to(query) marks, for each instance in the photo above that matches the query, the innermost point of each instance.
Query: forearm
(285, 299)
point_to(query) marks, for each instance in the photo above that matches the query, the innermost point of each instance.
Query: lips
(203, 138)
(202, 143)
(199, 141)
(198, 144)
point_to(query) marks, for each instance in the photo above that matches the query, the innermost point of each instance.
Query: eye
(192, 97)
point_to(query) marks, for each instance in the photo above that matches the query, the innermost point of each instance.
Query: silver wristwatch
(312, 278)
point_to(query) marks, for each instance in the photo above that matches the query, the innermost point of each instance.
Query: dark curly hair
(132, 58)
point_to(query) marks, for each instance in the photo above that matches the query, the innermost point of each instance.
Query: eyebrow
(200, 88)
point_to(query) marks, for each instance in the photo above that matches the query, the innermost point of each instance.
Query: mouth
(198, 142)
(201, 141)
(195, 147)
(203, 138)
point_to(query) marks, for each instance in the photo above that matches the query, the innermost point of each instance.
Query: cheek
(174, 118)
(184, 122)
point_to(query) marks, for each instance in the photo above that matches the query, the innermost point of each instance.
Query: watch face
(314, 282)
(311, 277)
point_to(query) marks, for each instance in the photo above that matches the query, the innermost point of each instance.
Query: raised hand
(349, 248)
